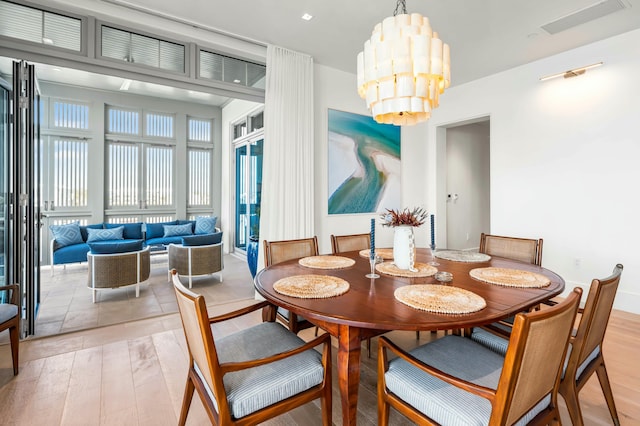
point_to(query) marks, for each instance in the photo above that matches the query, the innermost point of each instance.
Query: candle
(372, 251)
(433, 231)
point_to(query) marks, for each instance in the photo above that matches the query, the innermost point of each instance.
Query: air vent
(582, 16)
(38, 26)
(142, 50)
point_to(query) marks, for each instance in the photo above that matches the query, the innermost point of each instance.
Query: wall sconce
(572, 73)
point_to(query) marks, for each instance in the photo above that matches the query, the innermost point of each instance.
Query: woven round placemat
(510, 277)
(440, 299)
(385, 253)
(311, 286)
(422, 270)
(326, 262)
(462, 256)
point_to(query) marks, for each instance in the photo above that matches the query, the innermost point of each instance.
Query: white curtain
(287, 178)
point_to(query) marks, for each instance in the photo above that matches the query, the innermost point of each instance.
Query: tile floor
(67, 304)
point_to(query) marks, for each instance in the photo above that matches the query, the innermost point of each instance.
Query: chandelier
(403, 69)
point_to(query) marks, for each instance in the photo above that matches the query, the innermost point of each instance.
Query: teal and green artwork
(364, 164)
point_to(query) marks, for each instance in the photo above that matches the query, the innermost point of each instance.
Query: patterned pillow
(177, 230)
(206, 224)
(105, 234)
(66, 235)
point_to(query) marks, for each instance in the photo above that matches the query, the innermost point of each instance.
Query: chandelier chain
(401, 8)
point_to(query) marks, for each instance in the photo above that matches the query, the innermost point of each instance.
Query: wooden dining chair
(10, 320)
(343, 243)
(281, 251)
(454, 380)
(585, 356)
(254, 374)
(522, 249)
(586, 347)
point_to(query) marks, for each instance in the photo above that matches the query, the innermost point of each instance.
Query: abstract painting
(364, 164)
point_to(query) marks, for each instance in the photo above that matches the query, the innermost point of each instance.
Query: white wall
(335, 89)
(564, 158)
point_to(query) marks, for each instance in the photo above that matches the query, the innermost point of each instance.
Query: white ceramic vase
(403, 247)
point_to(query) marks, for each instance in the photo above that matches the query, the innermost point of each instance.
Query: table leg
(349, 372)
(269, 313)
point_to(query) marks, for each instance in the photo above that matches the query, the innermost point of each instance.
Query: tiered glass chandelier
(403, 69)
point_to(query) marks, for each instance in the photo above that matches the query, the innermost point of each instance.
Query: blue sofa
(71, 242)
(68, 247)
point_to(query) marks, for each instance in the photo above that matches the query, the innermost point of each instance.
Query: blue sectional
(67, 247)
(71, 242)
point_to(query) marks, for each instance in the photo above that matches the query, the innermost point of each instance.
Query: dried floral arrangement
(415, 217)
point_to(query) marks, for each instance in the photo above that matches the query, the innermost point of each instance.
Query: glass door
(23, 195)
(5, 96)
(248, 191)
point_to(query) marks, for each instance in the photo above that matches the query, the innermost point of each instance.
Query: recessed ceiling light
(57, 69)
(47, 40)
(236, 81)
(307, 17)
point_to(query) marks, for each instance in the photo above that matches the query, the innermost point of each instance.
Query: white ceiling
(485, 36)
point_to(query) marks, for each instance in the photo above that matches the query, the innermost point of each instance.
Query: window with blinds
(138, 49)
(214, 66)
(159, 125)
(40, 26)
(199, 184)
(70, 173)
(123, 175)
(123, 121)
(159, 176)
(199, 130)
(140, 173)
(70, 115)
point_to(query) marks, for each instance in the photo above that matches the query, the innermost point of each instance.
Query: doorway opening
(464, 176)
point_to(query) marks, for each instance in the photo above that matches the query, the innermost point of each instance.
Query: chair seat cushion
(444, 403)
(71, 254)
(7, 311)
(163, 241)
(490, 340)
(202, 240)
(253, 389)
(499, 345)
(118, 246)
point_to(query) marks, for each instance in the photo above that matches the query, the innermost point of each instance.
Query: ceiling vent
(581, 16)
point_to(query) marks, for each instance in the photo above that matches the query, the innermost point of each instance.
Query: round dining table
(369, 307)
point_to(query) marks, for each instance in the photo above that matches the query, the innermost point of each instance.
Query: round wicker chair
(118, 270)
(194, 261)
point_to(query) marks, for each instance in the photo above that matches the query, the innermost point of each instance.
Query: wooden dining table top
(371, 304)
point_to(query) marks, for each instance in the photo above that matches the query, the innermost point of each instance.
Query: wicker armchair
(118, 270)
(196, 260)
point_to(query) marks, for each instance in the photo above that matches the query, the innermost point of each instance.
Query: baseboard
(624, 301)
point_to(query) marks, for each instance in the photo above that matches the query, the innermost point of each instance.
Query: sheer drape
(287, 180)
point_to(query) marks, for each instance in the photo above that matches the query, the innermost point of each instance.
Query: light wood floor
(134, 373)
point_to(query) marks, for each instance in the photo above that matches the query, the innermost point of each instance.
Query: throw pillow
(206, 224)
(105, 234)
(177, 230)
(132, 231)
(156, 230)
(66, 235)
(202, 240)
(124, 246)
(83, 230)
